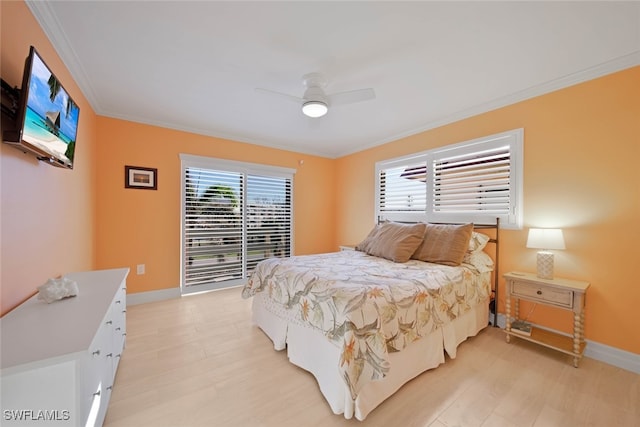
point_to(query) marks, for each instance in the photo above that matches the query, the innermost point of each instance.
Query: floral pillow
(478, 241)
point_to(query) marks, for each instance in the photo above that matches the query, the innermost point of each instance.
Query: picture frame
(140, 178)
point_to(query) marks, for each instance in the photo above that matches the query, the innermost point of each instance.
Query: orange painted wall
(143, 226)
(581, 173)
(46, 213)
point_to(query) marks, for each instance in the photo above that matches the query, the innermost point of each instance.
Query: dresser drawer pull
(118, 302)
(110, 355)
(97, 393)
(96, 353)
(539, 292)
(118, 328)
(124, 311)
(109, 322)
(110, 387)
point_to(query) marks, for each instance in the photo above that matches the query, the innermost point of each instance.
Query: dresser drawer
(559, 297)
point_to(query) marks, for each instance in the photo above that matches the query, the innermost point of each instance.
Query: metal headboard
(496, 276)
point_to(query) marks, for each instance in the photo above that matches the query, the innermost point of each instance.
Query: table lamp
(545, 239)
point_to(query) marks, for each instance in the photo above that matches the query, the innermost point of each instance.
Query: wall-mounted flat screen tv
(46, 123)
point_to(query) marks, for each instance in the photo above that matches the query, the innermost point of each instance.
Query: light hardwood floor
(198, 361)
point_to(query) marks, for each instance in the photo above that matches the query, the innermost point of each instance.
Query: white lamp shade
(314, 109)
(545, 238)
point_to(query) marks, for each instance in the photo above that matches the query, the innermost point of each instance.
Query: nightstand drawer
(560, 297)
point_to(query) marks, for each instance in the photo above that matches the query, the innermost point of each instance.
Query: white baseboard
(163, 294)
(152, 296)
(613, 356)
(602, 352)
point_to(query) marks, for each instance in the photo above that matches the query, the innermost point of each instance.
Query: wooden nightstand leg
(507, 303)
(578, 320)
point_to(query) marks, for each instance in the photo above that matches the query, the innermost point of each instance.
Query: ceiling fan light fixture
(314, 109)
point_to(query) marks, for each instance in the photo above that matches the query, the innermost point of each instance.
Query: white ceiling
(194, 66)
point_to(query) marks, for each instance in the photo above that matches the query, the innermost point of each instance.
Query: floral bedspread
(368, 306)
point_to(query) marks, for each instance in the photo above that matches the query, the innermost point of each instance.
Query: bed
(364, 322)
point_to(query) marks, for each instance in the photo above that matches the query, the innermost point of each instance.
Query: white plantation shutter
(234, 215)
(474, 181)
(269, 218)
(402, 193)
(213, 226)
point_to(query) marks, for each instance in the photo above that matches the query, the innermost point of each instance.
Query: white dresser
(59, 360)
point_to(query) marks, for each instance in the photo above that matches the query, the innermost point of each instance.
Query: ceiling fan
(315, 102)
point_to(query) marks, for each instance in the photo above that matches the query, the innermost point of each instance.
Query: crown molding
(44, 14)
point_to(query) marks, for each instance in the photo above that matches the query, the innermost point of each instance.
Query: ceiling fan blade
(352, 96)
(280, 95)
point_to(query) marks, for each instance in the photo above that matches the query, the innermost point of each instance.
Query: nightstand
(559, 293)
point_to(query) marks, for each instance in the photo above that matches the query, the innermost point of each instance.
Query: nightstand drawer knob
(539, 292)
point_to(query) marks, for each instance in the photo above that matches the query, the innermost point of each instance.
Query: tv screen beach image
(51, 119)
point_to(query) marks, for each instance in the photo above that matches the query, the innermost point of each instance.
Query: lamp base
(545, 265)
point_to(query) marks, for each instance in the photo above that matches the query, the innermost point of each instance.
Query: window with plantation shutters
(473, 181)
(234, 215)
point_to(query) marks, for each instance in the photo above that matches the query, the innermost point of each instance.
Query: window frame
(513, 139)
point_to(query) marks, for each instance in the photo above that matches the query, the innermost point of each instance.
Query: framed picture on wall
(139, 177)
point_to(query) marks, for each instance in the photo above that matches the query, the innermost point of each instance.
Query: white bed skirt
(311, 350)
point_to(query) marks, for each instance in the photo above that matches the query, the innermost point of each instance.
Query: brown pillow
(444, 244)
(366, 243)
(396, 242)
